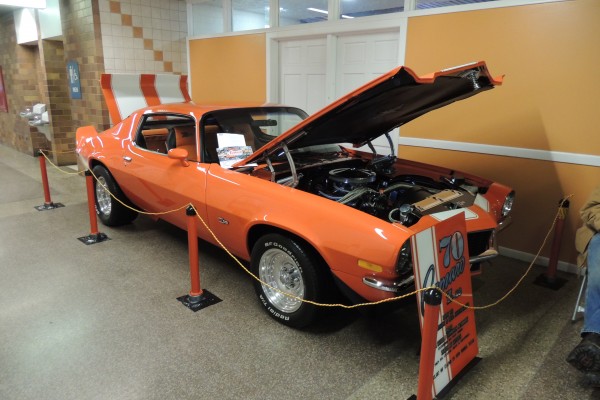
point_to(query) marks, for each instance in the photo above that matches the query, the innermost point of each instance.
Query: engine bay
(378, 187)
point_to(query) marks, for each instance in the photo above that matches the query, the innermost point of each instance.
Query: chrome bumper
(388, 286)
(504, 223)
(397, 286)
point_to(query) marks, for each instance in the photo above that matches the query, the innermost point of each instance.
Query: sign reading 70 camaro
(441, 260)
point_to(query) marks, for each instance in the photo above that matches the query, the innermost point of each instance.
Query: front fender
(339, 233)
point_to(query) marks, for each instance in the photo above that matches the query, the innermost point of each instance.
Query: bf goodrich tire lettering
(289, 272)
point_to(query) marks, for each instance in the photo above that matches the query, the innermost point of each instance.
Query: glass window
(250, 14)
(207, 17)
(160, 133)
(294, 12)
(249, 127)
(362, 8)
(424, 4)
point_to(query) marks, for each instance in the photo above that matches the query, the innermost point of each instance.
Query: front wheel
(110, 211)
(290, 272)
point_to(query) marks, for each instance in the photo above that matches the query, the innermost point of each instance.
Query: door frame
(331, 31)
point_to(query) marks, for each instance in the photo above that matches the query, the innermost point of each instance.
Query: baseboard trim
(543, 261)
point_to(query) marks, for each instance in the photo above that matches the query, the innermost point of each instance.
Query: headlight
(508, 204)
(404, 263)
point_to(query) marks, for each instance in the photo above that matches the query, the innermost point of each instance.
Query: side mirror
(179, 154)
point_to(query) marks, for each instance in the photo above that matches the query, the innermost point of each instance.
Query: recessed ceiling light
(317, 10)
(24, 3)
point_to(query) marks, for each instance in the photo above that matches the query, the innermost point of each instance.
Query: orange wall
(549, 101)
(228, 69)
(550, 55)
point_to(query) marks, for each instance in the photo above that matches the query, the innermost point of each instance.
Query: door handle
(127, 159)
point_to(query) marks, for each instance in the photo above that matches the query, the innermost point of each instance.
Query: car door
(156, 182)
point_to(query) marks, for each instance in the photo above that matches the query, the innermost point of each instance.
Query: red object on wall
(3, 100)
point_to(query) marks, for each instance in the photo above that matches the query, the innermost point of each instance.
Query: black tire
(292, 267)
(110, 211)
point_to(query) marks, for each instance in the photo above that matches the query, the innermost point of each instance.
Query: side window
(153, 139)
(160, 133)
(210, 130)
(183, 137)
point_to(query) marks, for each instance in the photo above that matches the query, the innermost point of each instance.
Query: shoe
(591, 379)
(586, 355)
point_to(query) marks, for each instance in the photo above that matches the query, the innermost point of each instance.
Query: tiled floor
(102, 322)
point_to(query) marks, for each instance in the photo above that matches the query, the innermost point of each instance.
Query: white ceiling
(7, 6)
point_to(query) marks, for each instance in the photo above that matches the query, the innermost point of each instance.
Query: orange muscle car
(290, 194)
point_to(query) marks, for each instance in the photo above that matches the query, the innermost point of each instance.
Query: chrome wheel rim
(103, 197)
(278, 270)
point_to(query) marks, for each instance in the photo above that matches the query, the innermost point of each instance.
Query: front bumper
(396, 286)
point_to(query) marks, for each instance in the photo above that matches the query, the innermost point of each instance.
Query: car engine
(378, 191)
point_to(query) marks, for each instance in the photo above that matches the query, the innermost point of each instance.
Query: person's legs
(586, 355)
(591, 314)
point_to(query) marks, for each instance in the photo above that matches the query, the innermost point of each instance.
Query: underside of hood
(381, 105)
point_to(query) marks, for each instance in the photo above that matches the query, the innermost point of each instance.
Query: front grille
(478, 242)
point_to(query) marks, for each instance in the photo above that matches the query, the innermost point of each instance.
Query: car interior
(161, 133)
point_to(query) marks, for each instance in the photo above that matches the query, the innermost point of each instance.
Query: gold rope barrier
(56, 166)
(317, 304)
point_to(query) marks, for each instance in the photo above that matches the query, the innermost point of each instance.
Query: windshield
(233, 134)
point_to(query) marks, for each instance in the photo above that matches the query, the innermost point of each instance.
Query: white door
(362, 58)
(302, 70)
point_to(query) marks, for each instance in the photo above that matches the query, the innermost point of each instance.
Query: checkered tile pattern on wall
(144, 36)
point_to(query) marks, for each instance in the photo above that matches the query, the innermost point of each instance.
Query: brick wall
(20, 67)
(55, 92)
(83, 43)
(116, 36)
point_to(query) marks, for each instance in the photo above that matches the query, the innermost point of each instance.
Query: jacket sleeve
(590, 213)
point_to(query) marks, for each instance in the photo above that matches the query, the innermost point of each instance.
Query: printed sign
(74, 82)
(232, 148)
(441, 258)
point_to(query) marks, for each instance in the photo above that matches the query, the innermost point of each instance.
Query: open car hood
(381, 105)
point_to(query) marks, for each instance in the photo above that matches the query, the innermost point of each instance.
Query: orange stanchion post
(94, 236)
(197, 298)
(549, 278)
(433, 299)
(89, 183)
(48, 204)
(47, 200)
(196, 290)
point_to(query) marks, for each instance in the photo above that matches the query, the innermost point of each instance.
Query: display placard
(441, 259)
(74, 82)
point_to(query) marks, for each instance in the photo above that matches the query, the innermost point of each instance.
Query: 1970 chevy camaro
(291, 194)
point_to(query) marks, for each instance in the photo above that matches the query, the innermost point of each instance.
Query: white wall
(49, 17)
(25, 26)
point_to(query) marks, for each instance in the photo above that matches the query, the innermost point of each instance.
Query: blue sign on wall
(73, 76)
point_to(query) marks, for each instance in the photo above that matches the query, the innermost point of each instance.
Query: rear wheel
(291, 272)
(110, 211)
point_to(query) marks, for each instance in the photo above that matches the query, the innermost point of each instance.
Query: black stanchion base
(197, 303)
(93, 238)
(550, 283)
(454, 381)
(48, 206)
